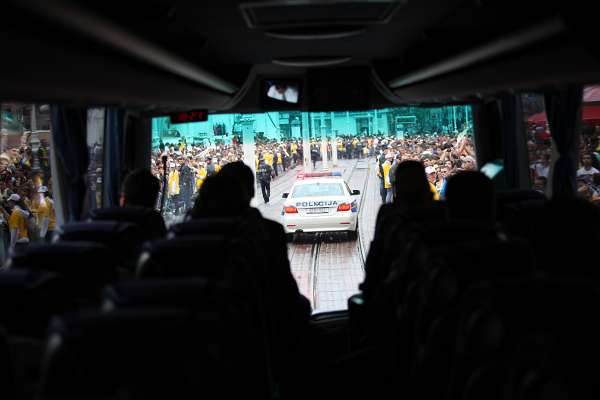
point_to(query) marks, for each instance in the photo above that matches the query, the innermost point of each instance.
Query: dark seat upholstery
(392, 312)
(438, 294)
(7, 381)
(393, 232)
(124, 239)
(205, 226)
(28, 299)
(85, 266)
(150, 221)
(150, 354)
(200, 256)
(535, 337)
(193, 293)
(234, 313)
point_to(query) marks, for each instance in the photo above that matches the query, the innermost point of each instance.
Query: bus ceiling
(173, 55)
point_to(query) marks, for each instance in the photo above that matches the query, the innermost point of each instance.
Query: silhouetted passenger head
(470, 196)
(219, 197)
(242, 174)
(140, 189)
(411, 185)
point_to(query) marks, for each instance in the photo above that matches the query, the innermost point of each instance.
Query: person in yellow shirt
(387, 181)
(17, 222)
(47, 215)
(269, 159)
(436, 195)
(173, 180)
(200, 176)
(431, 178)
(173, 187)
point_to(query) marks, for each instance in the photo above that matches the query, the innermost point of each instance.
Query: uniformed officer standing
(263, 175)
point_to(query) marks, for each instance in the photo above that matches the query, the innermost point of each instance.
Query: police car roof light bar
(303, 175)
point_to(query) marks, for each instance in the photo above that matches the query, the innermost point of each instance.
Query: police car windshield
(318, 189)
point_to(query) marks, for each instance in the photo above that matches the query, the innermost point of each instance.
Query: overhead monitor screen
(284, 91)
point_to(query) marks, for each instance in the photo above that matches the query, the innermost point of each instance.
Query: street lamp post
(34, 140)
(324, 154)
(306, 142)
(334, 154)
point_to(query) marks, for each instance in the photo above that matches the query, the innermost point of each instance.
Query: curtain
(70, 144)
(563, 109)
(113, 160)
(508, 105)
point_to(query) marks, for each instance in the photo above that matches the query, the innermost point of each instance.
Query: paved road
(329, 267)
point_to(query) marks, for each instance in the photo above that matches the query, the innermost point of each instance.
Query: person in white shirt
(285, 93)
(542, 168)
(587, 170)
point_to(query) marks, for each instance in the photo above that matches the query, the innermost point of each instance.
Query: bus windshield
(279, 145)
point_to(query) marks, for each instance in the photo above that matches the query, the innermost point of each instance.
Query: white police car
(320, 202)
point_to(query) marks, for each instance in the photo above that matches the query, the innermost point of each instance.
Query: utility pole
(306, 142)
(249, 148)
(334, 155)
(375, 123)
(466, 116)
(3, 131)
(34, 139)
(324, 154)
(348, 132)
(454, 117)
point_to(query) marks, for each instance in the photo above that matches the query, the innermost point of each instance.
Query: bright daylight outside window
(588, 171)
(284, 148)
(26, 206)
(539, 144)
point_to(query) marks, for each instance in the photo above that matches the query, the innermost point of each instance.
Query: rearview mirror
(355, 192)
(285, 195)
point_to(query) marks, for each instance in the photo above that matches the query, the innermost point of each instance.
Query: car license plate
(318, 210)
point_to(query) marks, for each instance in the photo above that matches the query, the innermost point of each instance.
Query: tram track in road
(363, 198)
(325, 267)
(314, 272)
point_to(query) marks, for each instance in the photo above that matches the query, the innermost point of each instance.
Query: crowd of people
(26, 205)
(539, 145)
(442, 156)
(188, 166)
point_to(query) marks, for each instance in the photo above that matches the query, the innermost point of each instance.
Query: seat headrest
(29, 298)
(22, 280)
(87, 261)
(99, 230)
(120, 213)
(194, 293)
(203, 226)
(105, 325)
(204, 256)
(137, 353)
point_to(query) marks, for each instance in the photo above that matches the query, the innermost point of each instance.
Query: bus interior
(488, 292)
